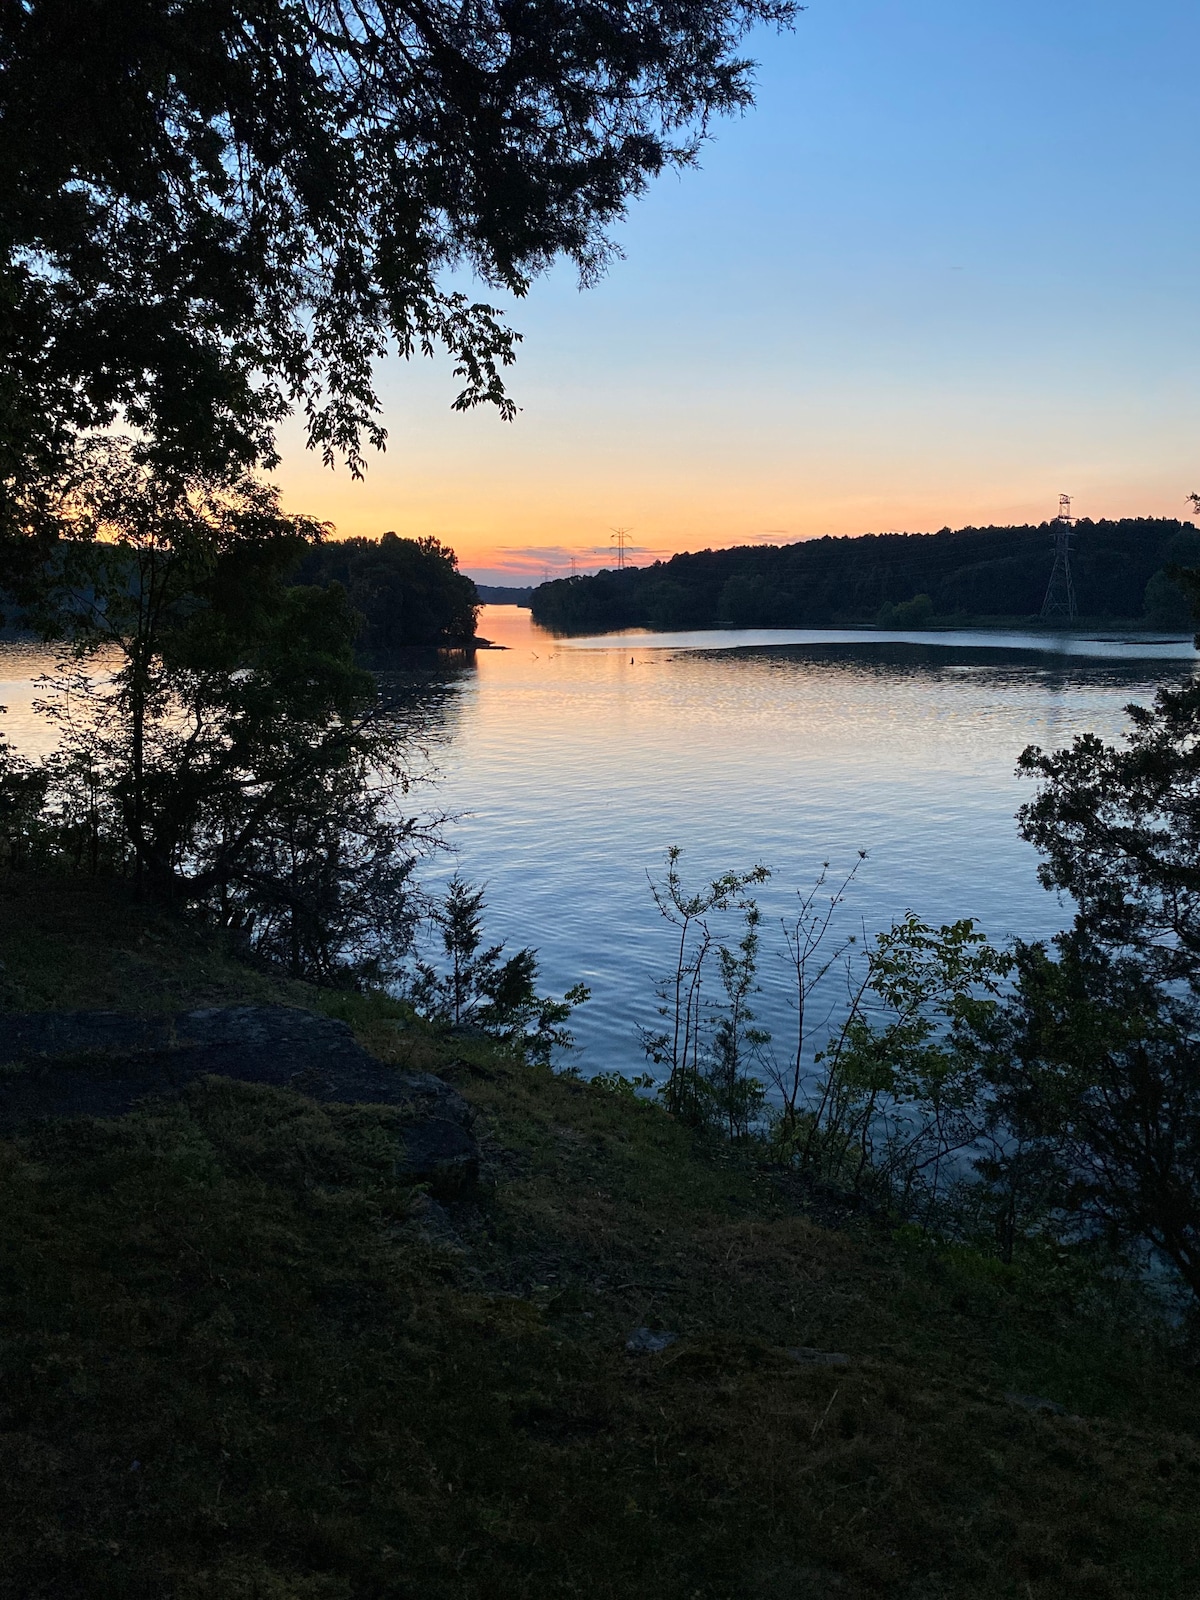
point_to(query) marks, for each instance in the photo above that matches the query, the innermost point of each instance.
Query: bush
(914, 613)
(1166, 605)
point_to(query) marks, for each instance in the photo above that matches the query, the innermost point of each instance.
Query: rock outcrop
(58, 1064)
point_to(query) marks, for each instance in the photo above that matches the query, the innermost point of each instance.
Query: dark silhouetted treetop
(904, 580)
(1118, 828)
(408, 591)
(217, 740)
(213, 210)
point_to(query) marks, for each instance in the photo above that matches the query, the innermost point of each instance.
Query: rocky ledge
(56, 1064)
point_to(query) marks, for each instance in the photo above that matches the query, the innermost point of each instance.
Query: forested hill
(967, 574)
(495, 594)
(408, 591)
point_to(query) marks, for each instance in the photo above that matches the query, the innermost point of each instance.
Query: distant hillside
(906, 579)
(495, 594)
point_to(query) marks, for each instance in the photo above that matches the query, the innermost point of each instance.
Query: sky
(944, 271)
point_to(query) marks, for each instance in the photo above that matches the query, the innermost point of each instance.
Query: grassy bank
(239, 1360)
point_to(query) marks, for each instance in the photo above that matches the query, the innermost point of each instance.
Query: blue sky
(944, 271)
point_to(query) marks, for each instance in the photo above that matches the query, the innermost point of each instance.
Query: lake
(574, 763)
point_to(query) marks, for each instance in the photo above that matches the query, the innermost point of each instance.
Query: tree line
(402, 594)
(1123, 571)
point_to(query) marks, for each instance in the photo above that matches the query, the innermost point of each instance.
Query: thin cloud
(538, 552)
(538, 561)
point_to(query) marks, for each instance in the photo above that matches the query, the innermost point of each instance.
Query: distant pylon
(1060, 591)
(618, 537)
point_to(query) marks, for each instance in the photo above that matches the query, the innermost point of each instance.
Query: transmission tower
(1060, 591)
(619, 536)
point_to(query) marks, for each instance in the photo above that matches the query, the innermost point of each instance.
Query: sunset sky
(946, 270)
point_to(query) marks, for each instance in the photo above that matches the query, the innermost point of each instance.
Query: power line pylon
(1060, 591)
(618, 536)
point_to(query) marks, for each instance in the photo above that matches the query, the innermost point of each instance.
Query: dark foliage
(218, 743)
(408, 591)
(1118, 828)
(706, 1081)
(1094, 1059)
(213, 210)
(481, 990)
(898, 579)
(1096, 1069)
(499, 594)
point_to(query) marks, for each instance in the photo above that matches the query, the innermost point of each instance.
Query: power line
(618, 537)
(1060, 591)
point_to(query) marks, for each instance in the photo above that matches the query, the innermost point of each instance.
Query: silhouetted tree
(682, 1044)
(215, 210)
(1096, 1059)
(1165, 605)
(1118, 828)
(480, 988)
(407, 591)
(737, 1094)
(218, 741)
(1095, 1069)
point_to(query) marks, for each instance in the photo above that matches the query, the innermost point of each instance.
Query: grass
(239, 1360)
(76, 943)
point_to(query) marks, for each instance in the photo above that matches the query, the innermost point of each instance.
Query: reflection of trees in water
(425, 696)
(424, 693)
(983, 666)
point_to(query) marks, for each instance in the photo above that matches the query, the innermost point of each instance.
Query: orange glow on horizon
(554, 538)
(521, 503)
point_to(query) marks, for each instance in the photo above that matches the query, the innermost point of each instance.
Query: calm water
(574, 763)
